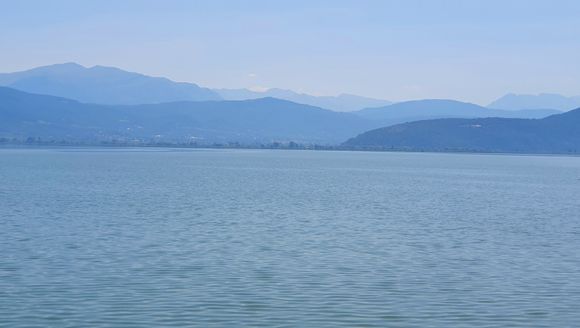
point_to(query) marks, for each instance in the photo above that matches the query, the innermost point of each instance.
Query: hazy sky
(467, 50)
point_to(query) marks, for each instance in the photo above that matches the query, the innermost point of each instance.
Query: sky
(468, 50)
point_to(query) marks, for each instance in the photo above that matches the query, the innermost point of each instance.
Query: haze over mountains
(103, 85)
(72, 102)
(340, 103)
(265, 120)
(542, 101)
(416, 110)
(113, 86)
(248, 121)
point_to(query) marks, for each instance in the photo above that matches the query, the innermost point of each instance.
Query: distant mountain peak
(59, 67)
(102, 67)
(103, 85)
(69, 64)
(513, 101)
(341, 103)
(424, 109)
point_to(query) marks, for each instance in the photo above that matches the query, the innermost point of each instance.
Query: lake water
(229, 238)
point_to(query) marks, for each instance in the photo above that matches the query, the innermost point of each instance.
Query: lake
(228, 238)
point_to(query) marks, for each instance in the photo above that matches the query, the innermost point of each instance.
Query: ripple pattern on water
(288, 239)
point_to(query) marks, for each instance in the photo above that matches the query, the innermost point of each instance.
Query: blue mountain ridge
(558, 133)
(259, 120)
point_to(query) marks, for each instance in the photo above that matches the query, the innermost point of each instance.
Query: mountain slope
(544, 100)
(260, 120)
(416, 110)
(340, 103)
(103, 85)
(554, 134)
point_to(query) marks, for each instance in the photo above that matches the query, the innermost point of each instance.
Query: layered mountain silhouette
(340, 103)
(544, 100)
(103, 85)
(416, 110)
(260, 120)
(73, 102)
(113, 86)
(554, 134)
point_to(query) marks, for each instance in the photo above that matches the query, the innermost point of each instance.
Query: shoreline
(4, 146)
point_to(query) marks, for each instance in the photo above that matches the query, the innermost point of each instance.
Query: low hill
(554, 134)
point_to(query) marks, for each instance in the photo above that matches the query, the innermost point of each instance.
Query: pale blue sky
(468, 50)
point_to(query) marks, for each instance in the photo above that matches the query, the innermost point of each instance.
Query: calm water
(133, 238)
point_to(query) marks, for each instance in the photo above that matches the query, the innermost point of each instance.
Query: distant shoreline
(266, 147)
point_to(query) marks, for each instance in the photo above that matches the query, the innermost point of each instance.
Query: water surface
(227, 238)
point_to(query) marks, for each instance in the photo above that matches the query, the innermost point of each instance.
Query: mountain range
(247, 121)
(416, 110)
(73, 102)
(113, 86)
(541, 101)
(103, 85)
(340, 103)
(558, 133)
